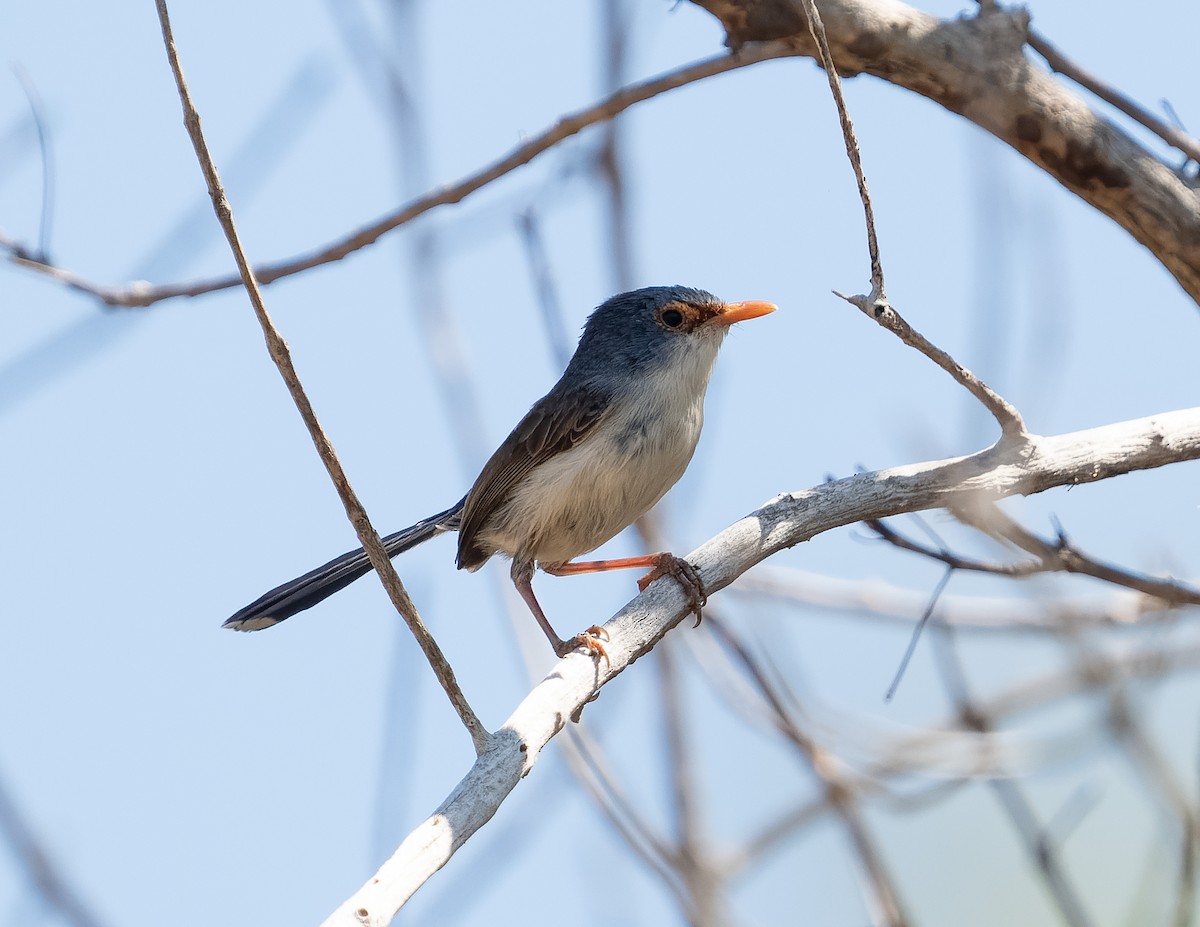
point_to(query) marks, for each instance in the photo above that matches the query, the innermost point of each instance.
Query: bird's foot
(685, 574)
(591, 640)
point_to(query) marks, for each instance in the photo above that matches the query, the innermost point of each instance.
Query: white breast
(576, 501)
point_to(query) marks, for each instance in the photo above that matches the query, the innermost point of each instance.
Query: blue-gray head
(639, 331)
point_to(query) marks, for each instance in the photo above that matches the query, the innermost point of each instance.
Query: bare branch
(977, 67)
(1038, 840)
(1101, 671)
(693, 860)
(1012, 426)
(281, 355)
(954, 561)
(1039, 464)
(880, 600)
(922, 623)
(908, 754)
(610, 162)
(543, 284)
(1156, 771)
(816, 29)
(142, 294)
(50, 883)
(38, 111)
(511, 754)
(1063, 65)
(1043, 850)
(1061, 555)
(875, 304)
(584, 759)
(1034, 466)
(882, 897)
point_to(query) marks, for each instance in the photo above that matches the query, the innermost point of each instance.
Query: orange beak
(740, 312)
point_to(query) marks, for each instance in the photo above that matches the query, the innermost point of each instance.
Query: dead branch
(281, 355)
(977, 67)
(1039, 464)
(141, 293)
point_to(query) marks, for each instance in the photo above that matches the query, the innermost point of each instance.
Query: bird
(589, 458)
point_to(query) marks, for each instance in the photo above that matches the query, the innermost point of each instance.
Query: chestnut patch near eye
(672, 318)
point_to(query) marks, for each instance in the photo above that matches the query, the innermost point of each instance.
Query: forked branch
(1039, 464)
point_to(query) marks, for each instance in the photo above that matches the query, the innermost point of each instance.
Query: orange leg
(663, 564)
(571, 568)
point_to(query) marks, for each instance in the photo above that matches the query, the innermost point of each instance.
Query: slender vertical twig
(41, 125)
(281, 355)
(543, 283)
(702, 878)
(817, 29)
(876, 304)
(882, 898)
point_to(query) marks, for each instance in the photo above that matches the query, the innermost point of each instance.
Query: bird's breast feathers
(584, 496)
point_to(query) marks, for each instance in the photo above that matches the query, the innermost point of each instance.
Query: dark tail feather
(316, 586)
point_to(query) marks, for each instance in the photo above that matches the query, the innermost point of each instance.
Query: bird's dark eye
(672, 318)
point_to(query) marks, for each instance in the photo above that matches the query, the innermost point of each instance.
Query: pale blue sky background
(156, 476)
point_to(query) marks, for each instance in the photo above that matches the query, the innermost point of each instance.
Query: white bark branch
(1003, 470)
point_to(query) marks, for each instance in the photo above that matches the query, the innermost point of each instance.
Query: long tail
(316, 586)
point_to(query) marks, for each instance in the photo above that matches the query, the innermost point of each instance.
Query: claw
(687, 577)
(590, 640)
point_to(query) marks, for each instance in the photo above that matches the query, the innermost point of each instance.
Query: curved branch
(977, 67)
(1004, 470)
(141, 293)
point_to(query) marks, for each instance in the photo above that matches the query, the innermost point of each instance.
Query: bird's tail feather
(317, 585)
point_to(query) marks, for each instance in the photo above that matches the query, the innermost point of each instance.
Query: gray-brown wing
(556, 423)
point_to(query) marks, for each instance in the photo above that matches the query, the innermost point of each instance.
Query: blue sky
(157, 476)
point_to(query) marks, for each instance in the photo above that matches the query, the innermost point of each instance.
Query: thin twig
(817, 29)
(916, 634)
(875, 304)
(609, 161)
(17, 250)
(883, 899)
(1156, 770)
(586, 762)
(1057, 61)
(41, 124)
(543, 284)
(1082, 801)
(909, 755)
(46, 878)
(952, 560)
(1012, 798)
(1012, 425)
(1153, 764)
(877, 599)
(694, 859)
(281, 355)
(1060, 555)
(142, 294)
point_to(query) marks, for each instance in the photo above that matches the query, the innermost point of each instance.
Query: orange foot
(591, 640)
(685, 574)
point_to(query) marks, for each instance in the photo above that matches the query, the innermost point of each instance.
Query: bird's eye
(672, 318)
